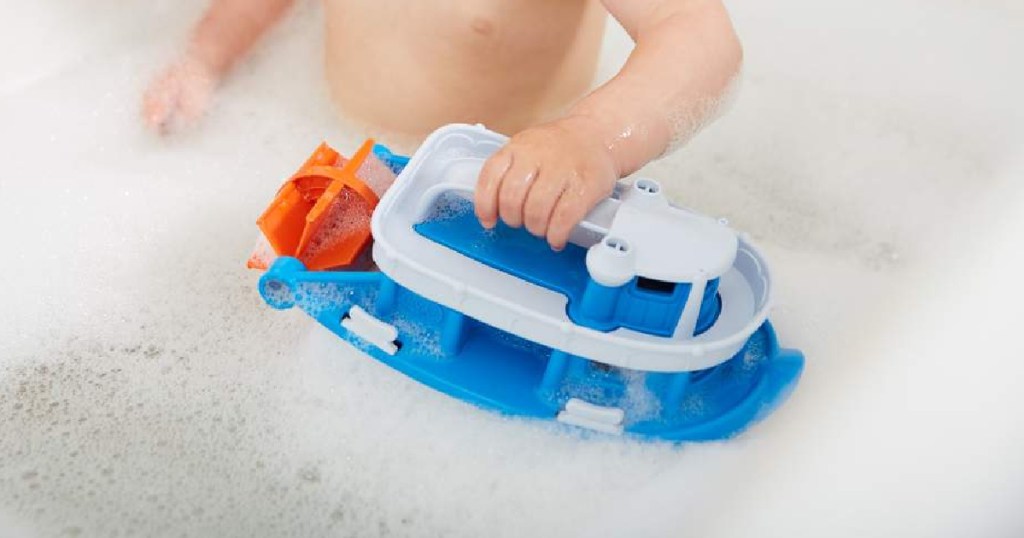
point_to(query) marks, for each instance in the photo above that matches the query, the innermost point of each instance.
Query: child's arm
(228, 29)
(548, 177)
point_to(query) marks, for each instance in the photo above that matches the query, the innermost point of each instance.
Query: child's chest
(499, 28)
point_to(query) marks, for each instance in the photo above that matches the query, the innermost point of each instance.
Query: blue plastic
(495, 370)
(394, 161)
(468, 359)
(646, 306)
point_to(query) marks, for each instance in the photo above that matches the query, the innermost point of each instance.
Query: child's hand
(546, 178)
(178, 95)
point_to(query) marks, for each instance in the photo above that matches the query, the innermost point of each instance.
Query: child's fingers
(192, 99)
(541, 202)
(156, 109)
(179, 95)
(574, 204)
(514, 187)
(566, 214)
(161, 101)
(486, 196)
(153, 100)
(153, 112)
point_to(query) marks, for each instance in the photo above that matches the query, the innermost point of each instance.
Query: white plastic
(667, 243)
(654, 235)
(371, 329)
(596, 417)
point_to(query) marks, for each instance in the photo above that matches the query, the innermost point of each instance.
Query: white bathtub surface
(875, 153)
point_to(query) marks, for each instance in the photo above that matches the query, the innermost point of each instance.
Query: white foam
(263, 254)
(347, 214)
(639, 403)
(146, 390)
(376, 175)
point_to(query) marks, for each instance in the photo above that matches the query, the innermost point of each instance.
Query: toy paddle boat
(652, 322)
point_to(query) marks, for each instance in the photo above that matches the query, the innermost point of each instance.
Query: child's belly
(410, 66)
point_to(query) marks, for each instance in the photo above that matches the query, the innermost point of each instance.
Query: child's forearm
(229, 28)
(548, 177)
(685, 60)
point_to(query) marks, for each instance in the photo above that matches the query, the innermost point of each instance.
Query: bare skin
(227, 31)
(508, 65)
(518, 67)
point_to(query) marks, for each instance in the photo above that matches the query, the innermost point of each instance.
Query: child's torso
(410, 66)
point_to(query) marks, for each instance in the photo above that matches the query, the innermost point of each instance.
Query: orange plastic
(321, 194)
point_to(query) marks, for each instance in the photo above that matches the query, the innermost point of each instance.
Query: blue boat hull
(467, 359)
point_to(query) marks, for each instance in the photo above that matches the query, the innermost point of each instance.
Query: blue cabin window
(659, 287)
